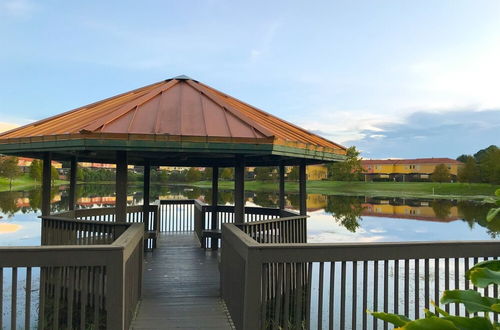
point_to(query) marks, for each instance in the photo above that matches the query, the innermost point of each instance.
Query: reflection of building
(104, 200)
(98, 166)
(316, 202)
(418, 169)
(417, 212)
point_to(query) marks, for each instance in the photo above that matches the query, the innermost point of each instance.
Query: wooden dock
(181, 287)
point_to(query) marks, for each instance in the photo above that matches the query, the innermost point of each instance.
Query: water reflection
(348, 212)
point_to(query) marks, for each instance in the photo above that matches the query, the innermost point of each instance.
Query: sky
(395, 78)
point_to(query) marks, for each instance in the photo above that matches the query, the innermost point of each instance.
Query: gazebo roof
(168, 119)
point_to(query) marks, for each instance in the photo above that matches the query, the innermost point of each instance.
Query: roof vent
(182, 77)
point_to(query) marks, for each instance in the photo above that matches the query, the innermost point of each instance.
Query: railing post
(282, 187)
(239, 190)
(115, 293)
(252, 299)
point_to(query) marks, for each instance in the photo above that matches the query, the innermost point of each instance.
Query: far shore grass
(23, 182)
(477, 191)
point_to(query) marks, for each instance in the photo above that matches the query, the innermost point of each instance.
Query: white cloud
(18, 8)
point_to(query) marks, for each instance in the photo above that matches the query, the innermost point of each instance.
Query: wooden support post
(215, 197)
(121, 186)
(282, 187)
(215, 214)
(72, 183)
(239, 191)
(46, 182)
(302, 189)
(146, 196)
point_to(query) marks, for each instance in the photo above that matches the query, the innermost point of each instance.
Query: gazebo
(176, 122)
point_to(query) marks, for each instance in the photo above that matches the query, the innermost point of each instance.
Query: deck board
(181, 287)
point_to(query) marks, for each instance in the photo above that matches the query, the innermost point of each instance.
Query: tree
(293, 175)
(54, 173)
(489, 164)
(469, 172)
(348, 170)
(36, 170)
(441, 174)
(9, 168)
(193, 175)
(227, 173)
(264, 173)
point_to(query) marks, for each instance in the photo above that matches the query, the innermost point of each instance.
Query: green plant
(482, 275)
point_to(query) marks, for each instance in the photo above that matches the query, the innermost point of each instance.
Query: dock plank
(181, 287)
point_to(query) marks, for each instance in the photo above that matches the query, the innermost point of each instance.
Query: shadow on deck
(181, 287)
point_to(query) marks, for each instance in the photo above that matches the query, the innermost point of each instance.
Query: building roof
(410, 161)
(175, 110)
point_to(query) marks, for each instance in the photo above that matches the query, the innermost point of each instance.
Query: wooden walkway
(181, 287)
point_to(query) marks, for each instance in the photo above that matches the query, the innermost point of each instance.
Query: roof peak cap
(182, 77)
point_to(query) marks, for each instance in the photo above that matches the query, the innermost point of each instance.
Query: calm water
(332, 218)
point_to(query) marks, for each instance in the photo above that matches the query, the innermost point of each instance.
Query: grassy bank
(22, 182)
(382, 189)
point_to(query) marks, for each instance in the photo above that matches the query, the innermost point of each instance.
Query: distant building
(24, 163)
(419, 169)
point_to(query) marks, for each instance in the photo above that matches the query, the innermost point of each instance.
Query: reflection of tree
(265, 199)
(8, 202)
(346, 210)
(441, 208)
(474, 212)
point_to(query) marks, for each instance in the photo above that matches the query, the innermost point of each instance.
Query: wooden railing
(177, 215)
(317, 286)
(80, 286)
(100, 216)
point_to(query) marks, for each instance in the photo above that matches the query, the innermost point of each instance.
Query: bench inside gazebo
(93, 272)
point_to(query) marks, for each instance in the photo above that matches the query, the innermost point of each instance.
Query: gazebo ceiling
(176, 121)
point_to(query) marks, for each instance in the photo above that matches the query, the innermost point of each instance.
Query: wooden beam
(72, 183)
(282, 187)
(46, 182)
(239, 191)
(146, 194)
(121, 186)
(302, 189)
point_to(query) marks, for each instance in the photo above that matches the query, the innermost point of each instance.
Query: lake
(333, 218)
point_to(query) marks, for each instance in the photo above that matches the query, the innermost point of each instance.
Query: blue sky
(395, 78)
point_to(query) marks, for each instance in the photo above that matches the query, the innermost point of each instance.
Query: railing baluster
(386, 289)
(396, 286)
(375, 291)
(13, 303)
(365, 292)
(27, 300)
(446, 280)
(436, 280)
(417, 287)
(320, 295)
(1, 299)
(332, 295)
(354, 293)
(407, 286)
(342, 294)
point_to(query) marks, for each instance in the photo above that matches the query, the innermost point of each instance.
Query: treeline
(483, 166)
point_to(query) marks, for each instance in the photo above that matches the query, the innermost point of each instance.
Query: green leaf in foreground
(397, 320)
(474, 323)
(431, 323)
(472, 300)
(482, 277)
